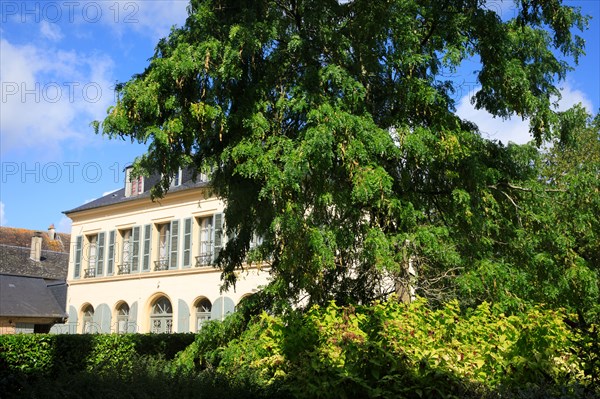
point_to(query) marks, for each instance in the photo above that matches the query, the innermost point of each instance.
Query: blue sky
(59, 61)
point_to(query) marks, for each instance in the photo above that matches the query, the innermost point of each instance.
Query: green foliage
(333, 136)
(547, 249)
(408, 351)
(587, 344)
(388, 349)
(26, 353)
(115, 366)
(206, 350)
(39, 354)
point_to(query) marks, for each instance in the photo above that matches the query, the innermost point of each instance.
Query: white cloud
(50, 31)
(3, 219)
(64, 225)
(173, 12)
(515, 129)
(48, 97)
(570, 97)
(153, 19)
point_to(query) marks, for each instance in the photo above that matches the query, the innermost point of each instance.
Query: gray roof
(118, 196)
(22, 296)
(16, 261)
(58, 289)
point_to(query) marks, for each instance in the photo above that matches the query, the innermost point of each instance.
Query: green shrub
(385, 350)
(205, 352)
(41, 354)
(396, 350)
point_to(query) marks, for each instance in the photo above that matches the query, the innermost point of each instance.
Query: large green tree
(332, 133)
(550, 245)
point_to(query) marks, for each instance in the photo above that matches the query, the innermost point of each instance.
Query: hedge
(49, 355)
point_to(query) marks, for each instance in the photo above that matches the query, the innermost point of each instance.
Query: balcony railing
(205, 260)
(124, 268)
(161, 264)
(89, 273)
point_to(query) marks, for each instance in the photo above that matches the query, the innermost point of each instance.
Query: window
(95, 255)
(211, 239)
(161, 316)
(133, 185)
(122, 318)
(24, 328)
(91, 256)
(130, 256)
(255, 242)
(126, 254)
(137, 185)
(203, 309)
(88, 319)
(205, 175)
(168, 242)
(176, 180)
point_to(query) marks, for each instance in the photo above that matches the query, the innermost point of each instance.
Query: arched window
(122, 318)
(203, 308)
(161, 316)
(88, 319)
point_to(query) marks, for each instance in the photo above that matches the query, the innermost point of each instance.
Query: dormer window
(177, 178)
(133, 185)
(137, 185)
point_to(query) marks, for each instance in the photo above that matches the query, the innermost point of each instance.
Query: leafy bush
(396, 350)
(25, 359)
(385, 350)
(205, 352)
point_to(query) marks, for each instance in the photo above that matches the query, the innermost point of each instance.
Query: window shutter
(111, 253)
(147, 241)
(218, 234)
(174, 244)
(77, 268)
(187, 242)
(100, 255)
(222, 307)
(135, 248)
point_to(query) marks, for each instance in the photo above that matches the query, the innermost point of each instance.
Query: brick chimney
(52, 232)
(36, 247)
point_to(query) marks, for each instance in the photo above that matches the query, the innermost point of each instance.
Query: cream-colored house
(143, 266)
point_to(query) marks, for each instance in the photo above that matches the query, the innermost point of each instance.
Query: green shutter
(111, 253)
(147, 243)
(100, 255)
(78, 245)
(174, 244)
(218, 234)
(135, 249)
(187, 242)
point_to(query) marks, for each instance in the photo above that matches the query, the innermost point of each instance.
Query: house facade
(139, 265)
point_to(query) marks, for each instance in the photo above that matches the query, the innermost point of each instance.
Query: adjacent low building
(139, 265)
(33, 289)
